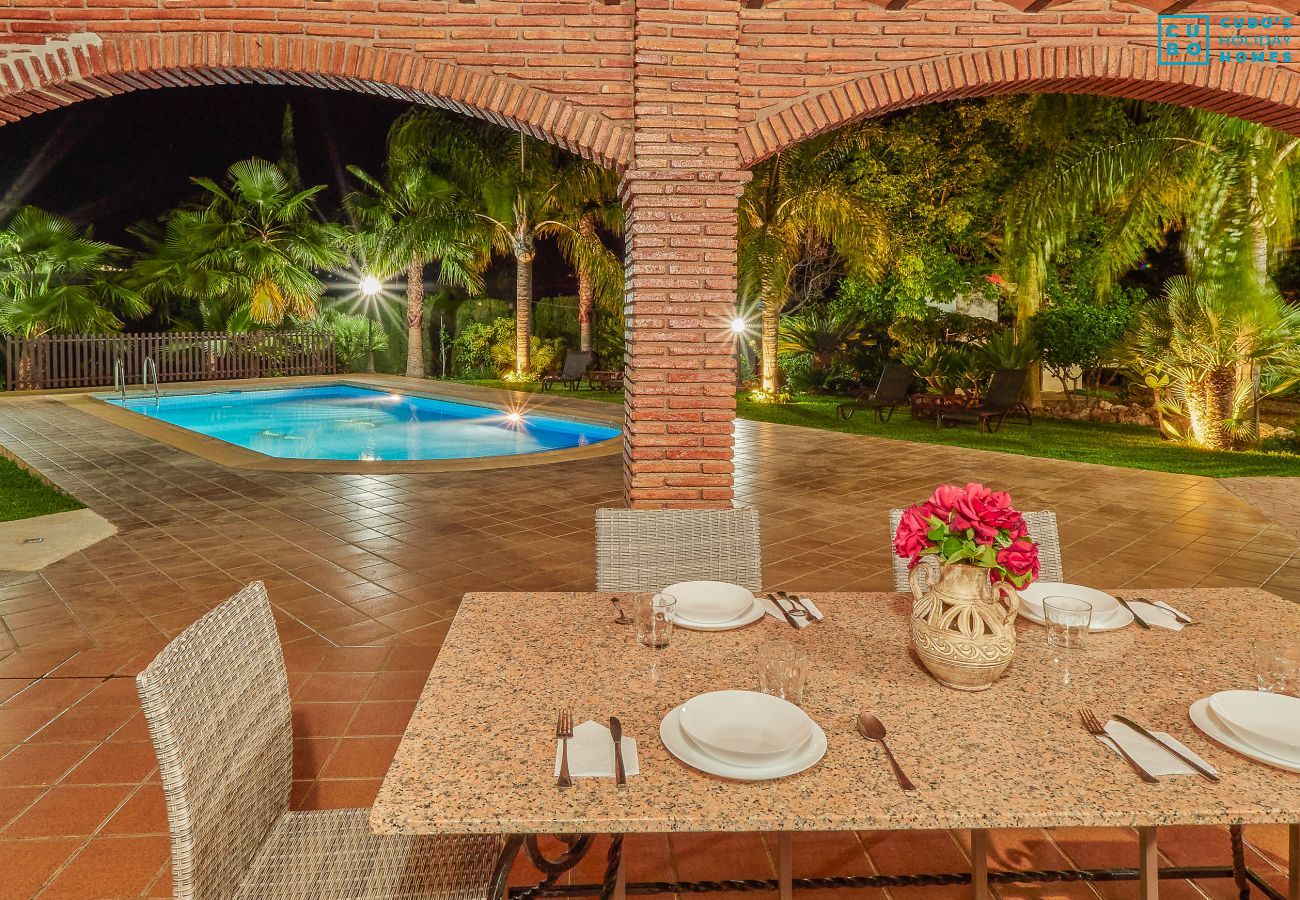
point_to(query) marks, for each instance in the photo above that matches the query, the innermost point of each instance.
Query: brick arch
(66, 72)
(1265, 94)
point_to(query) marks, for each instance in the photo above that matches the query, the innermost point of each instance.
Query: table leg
(785, 865)
(1148, 864)
(979, 858)
(620, 885)
(1293, 882)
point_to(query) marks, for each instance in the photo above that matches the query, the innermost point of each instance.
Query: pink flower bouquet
(970, 525)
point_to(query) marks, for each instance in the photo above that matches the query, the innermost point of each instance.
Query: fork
(564, 731)
(1094, 726)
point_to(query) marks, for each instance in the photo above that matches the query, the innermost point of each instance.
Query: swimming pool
(343, 422)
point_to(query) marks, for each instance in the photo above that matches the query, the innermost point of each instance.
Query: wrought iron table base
(1243, 876)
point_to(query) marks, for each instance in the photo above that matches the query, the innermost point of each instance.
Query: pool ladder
(119, 379)
(149, 366)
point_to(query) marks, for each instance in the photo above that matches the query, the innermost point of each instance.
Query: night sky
(119, 160)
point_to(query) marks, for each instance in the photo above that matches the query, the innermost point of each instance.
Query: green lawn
(23, 495)
(1130, 446)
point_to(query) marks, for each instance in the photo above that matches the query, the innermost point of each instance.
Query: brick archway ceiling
(36, 83)
(1269, 95)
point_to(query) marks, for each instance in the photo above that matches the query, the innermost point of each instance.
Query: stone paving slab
(366, 572)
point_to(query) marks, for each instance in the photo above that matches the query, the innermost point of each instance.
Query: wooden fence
(87, 360)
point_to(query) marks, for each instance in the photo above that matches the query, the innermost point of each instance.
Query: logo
(1186, 40)
(1183, 40)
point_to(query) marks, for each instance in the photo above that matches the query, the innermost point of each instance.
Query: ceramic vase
(963, 625)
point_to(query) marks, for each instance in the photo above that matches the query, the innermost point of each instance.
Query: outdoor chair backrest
(216, 700)
(649, 549)
(895, 382)
(576, 362)
(1005, 391)
(1042, 528)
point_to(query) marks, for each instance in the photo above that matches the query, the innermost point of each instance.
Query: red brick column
(680, 196)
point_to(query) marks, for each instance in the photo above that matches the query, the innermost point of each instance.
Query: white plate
(681, 746)
(745, 728)
(1120, 618)
(1268, 721)
(710, 602)
(1203, 717)
(1102, 603)
(756, 611)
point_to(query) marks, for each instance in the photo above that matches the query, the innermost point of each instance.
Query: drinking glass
(654, 615)
(1277, 665)
(783, 670)
(1068, 620)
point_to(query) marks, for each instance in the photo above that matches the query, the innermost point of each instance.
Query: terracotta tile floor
(365, 574)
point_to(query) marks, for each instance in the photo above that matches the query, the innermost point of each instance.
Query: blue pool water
(343, 422)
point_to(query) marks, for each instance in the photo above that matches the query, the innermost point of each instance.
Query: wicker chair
(646, 549)
(1042, 528)
(217, 703)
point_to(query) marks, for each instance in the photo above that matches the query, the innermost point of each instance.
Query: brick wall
(679, 95)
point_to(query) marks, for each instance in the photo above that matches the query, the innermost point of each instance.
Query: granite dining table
(478, 754)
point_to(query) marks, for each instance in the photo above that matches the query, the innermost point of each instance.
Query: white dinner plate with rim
(1120, 618)
(1203, 717)
(682, 747)
(1267, 721)
(755, 612)
(710, 602)
(1033, 595)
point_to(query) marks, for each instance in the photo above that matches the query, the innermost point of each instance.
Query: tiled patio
(366, 572)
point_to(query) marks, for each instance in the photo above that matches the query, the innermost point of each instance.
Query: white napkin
(1159, 614)
(591, 753)
(800, 621)
(1156, 761)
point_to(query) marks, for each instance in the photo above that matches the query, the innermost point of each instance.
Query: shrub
(547, 354)
(1076, 334)
(472, 349)
(349, 334)
(557, 317)
(1282, 442)
(487, 350)
(481, 311)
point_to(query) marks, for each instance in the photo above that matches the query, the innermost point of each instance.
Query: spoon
(873, 729)
(622, 616)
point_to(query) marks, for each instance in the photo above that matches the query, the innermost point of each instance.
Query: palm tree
(56, 278)
(517, 179)
(1206, 340)
(415, 216)
(1225, 184)
(585, 206)
(250, 252)
(800, 200)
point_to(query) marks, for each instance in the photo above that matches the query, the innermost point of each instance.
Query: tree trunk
(1029, 298)
(586, 290)
(525, 252)
(771, 373)
(1209, 407)
(415, 319)
(27, 377)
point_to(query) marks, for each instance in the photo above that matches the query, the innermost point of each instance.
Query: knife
(616, 732)
(785, 612)
(1141, 621)
(1178, 617)
(1200, 769)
